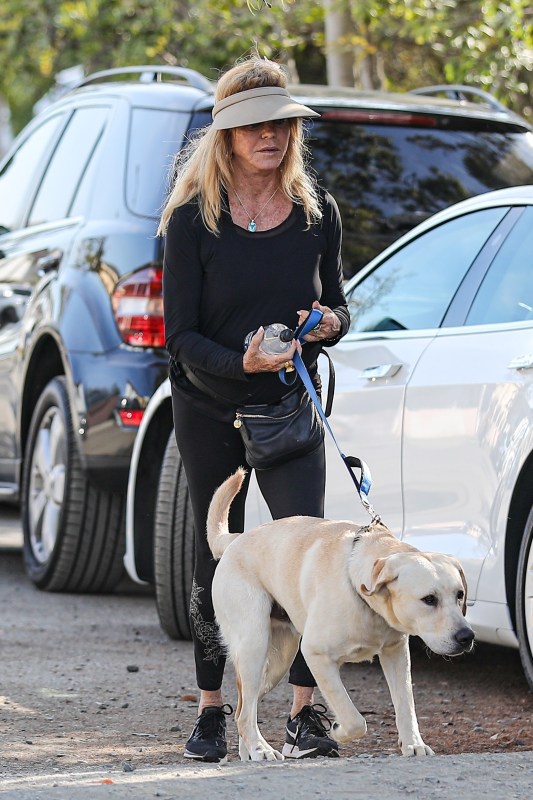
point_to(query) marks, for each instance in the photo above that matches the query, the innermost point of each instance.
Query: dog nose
(465, 637)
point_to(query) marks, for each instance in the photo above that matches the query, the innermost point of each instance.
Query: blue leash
(363, 485)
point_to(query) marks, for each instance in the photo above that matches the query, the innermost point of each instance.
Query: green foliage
(39, 38)
(488, 43)
(483, 43)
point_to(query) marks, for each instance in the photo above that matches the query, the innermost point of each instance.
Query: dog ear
(458, 566)
(383, 572)
(463, 578)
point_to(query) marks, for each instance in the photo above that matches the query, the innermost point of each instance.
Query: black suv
(81, 327)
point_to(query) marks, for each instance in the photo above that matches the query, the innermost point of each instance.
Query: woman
(250, 240)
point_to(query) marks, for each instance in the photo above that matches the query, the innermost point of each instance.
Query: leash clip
(363, 485)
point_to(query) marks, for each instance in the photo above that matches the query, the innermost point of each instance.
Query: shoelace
(315, 719)
(212, 725)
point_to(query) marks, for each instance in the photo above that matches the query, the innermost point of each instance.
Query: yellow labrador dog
(349, 592)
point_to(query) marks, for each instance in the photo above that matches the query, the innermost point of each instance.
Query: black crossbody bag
(274, 433)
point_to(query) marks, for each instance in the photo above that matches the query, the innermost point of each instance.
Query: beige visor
(257, 105)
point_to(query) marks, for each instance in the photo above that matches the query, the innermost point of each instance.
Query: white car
(434, 390)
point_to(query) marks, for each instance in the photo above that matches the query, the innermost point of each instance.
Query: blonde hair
(203, 168)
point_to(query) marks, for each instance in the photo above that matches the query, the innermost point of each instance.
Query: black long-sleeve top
(218, 288)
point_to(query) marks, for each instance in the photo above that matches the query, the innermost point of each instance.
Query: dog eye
(430, 600)
(460, 595)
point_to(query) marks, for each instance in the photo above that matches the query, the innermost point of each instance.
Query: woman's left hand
(328, 328)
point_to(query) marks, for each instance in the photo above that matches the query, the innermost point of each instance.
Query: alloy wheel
(47, 485)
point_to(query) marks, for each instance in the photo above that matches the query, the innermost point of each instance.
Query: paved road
(470, 777)
(10, 532)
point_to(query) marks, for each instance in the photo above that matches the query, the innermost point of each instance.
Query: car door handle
(381, 371)
(521, 362)
(49, 262)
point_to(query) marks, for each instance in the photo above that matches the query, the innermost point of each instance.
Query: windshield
(387, 179)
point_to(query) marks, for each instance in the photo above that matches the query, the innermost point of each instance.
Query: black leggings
(211, 451)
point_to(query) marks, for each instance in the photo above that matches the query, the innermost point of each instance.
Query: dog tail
(218, 535)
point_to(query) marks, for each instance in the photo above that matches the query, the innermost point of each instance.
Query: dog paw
(262, 753)
(244, 755)
(345, 733)
(412, 750)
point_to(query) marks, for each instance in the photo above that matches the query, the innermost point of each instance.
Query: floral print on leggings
(206, 632)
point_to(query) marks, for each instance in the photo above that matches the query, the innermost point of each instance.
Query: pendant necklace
(252, 226)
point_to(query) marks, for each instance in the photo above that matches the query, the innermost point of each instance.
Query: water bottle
(276, 341)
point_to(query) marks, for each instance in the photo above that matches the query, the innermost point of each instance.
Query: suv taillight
(138, 308)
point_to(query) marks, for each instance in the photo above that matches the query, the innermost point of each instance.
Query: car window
(19, 173)
(506, 293)
(155, 138)
(386, 179)
(412, 289)
(67, 166)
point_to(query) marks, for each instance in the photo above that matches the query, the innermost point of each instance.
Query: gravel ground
(468, 776)
(95, 699)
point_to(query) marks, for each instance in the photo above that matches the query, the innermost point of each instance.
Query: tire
(173, 546)
(524, 600)
(74, 533)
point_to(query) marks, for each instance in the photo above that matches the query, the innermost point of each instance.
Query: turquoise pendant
(252, 226)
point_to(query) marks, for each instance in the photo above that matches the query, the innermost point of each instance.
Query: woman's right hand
(254, 360)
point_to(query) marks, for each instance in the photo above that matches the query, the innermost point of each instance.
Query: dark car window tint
(19, 174)
(155, 138)
(386, 179)
(506, 293)
(67, 165)
(413, 288)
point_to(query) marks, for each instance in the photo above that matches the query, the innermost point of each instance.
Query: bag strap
(289, 381)
(195, 380)
(331, 383)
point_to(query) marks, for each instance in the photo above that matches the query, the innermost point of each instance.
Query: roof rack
(456, 91)
(152, 74)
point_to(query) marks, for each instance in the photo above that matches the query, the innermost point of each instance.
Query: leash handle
(313, 319)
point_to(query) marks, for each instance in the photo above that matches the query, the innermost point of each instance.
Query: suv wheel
(524, 600)
(73, 532)
(173, 546)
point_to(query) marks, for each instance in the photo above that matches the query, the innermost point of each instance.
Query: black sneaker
(207, 742)
(306, 734)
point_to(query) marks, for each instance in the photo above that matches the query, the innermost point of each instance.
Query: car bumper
(105, 387)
